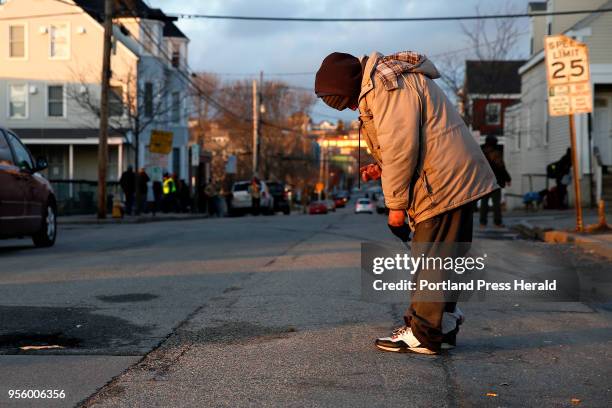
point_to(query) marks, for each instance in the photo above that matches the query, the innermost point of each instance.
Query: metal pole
(255, 128)
(103, 137)
(576, 172)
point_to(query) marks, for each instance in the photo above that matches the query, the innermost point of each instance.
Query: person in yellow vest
(169, 193)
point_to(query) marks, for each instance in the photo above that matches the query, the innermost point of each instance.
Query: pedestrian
(169, 191)
(128, 185)
(255, 191)
(494, 156)
(431, 167)
(142, 189)
(211, 194)
(158, 196)
(184, 196)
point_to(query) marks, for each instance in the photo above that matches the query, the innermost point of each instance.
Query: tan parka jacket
(430, 161)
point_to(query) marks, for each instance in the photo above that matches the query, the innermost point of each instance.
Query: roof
(493, 77)
(127, 8)
(171, 30)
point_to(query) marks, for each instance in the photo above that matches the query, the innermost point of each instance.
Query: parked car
(317, 207)
(341, 198)
(281, 196)
(241, 198)
(381, 207)
(27, 201)
(331, 205)
(364, 205)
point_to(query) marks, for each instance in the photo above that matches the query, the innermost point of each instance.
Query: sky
(241, 49)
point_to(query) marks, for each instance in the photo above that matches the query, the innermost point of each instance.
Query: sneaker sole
(415, 350)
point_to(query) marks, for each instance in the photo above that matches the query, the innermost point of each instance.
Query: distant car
(381, 207)
(317, 207)
(281, 196)
(27, 201)
(331, 205)
(341, 198)
(364, 205)
(241, 198)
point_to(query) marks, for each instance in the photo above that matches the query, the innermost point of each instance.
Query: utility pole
(255, 129)
(103, 137)
(576, 175)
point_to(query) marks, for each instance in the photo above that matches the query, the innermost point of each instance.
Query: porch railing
(81, 196)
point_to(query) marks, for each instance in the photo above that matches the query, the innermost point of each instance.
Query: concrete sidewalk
(129, 219)
(558, 226)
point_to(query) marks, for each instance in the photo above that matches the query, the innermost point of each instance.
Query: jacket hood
(373, 68)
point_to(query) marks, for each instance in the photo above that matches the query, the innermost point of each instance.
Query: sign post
(569, 92)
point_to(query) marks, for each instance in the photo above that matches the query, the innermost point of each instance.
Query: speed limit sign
(568, 76)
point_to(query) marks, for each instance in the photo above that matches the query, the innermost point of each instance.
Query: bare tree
(285, 153)
(492, 41)
(135, 106)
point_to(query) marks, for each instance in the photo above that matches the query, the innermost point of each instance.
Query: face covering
(336, 101)
(402, 232)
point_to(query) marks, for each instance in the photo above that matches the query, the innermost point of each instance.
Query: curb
(590, 243)
(140, 220)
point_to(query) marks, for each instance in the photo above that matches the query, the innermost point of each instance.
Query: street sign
(569, 92)
(568, 76)
(161, 142)
(232, 164)
(195, 155)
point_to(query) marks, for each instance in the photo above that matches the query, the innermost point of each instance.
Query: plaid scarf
(391, 66)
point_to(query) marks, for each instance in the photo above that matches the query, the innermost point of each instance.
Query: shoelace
(400, 331)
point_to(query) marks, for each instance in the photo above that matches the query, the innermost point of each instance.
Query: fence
(81, 196)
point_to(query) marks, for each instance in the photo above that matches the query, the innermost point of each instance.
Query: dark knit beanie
(340, 77)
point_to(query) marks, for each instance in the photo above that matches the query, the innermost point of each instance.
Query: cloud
(229, 46)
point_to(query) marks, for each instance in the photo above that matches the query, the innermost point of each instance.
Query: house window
(18, 101)
(115, 101)
(493, 113)
(55, 100)
(148, 99)
(59, 46)
(176, 58)
(176, 107)
(17, 41)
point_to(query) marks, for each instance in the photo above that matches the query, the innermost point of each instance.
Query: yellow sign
(161, 142)
(319, 187)
(568, 76)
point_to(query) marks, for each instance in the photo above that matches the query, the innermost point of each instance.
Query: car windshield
(241, 187)
(276, 187)
(364, 201)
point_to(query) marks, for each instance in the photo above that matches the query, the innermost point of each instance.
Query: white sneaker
(402, 341)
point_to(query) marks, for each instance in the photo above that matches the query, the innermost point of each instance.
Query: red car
(317, 207)
(27, 202)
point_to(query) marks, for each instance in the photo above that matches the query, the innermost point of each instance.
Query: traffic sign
(319, 187)
(568, 76)
(161, 142)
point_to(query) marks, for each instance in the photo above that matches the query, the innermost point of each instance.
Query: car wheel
(45, 237)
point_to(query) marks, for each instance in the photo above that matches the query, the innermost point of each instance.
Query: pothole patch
(127, 298)
(37, 342)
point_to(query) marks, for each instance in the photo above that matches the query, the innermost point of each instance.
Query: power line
(387, 19)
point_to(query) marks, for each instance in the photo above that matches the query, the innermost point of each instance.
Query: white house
(533, 138)
(50, 69)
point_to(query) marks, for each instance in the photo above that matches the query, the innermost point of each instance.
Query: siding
(600, 51)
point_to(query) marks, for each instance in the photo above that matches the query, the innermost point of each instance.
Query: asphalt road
(266, 311)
